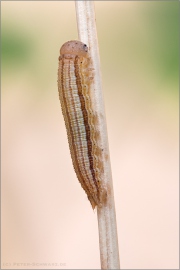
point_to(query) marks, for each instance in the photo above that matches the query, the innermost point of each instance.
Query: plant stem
(108, 240)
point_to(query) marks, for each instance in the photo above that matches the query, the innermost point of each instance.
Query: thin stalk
(108, 240)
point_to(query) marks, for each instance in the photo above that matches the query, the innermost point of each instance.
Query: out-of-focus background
(47, 221)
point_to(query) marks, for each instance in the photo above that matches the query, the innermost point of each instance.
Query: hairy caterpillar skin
(74, 80)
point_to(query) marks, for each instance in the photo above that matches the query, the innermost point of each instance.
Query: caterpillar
(75, 77)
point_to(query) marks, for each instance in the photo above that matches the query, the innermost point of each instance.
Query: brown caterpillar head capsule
(74, 47)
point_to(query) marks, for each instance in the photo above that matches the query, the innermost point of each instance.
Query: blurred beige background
(47, 221)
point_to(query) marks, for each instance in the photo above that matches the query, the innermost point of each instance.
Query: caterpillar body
(75, 77)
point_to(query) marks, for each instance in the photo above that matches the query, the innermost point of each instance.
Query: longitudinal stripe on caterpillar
(74, 81)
